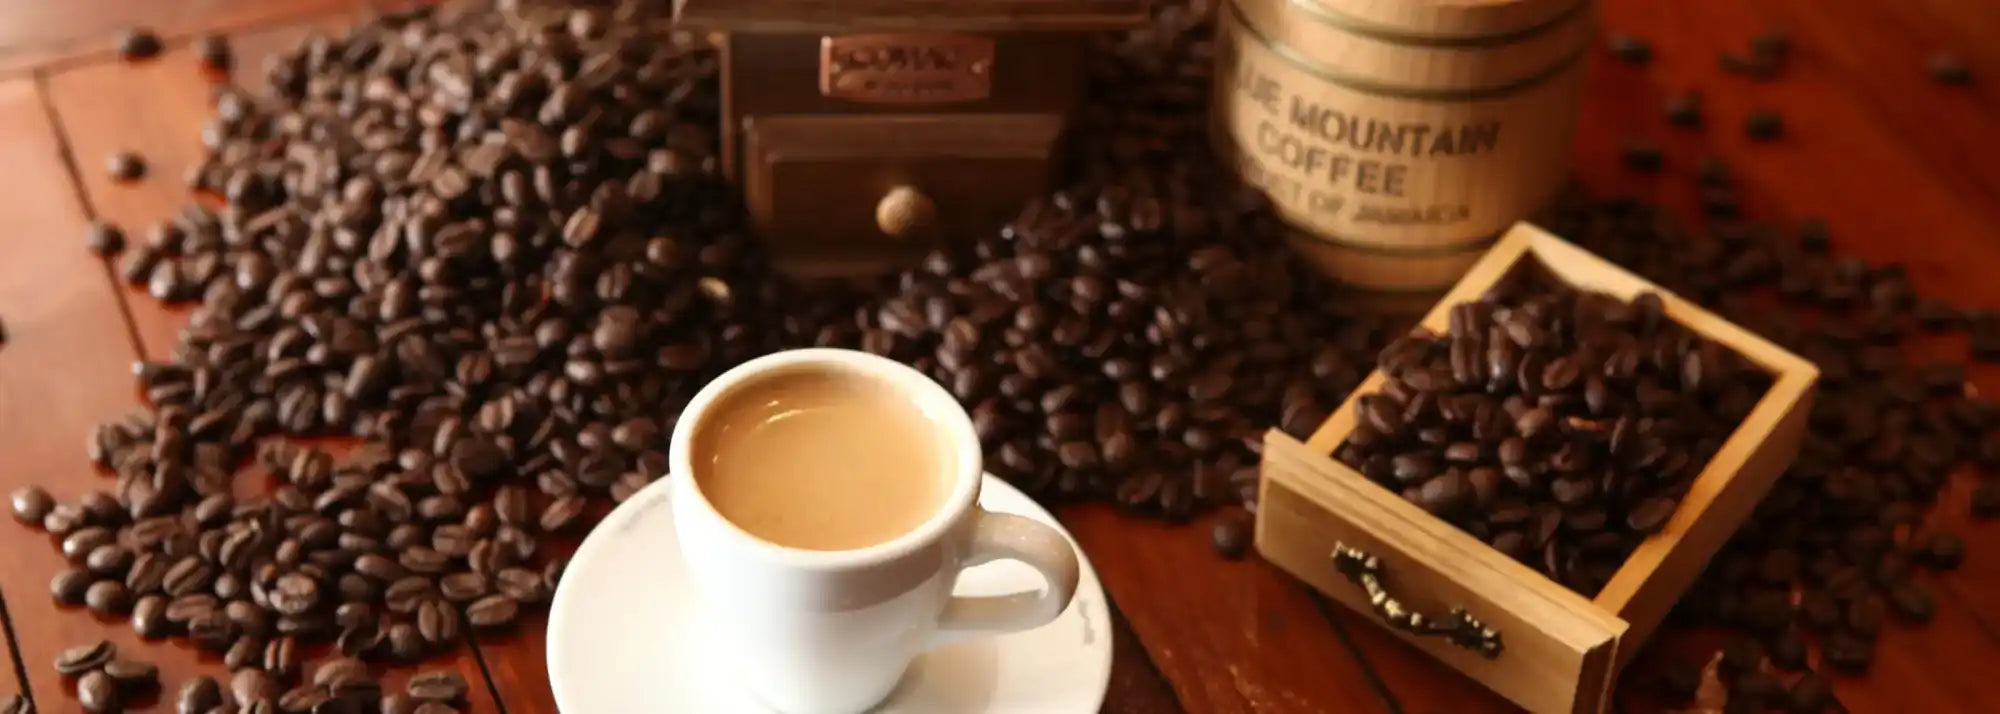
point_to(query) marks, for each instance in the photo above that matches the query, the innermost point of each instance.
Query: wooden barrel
(1398, 138)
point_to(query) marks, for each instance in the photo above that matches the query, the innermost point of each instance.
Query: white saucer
(623, 638)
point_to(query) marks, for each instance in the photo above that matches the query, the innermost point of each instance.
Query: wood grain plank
(63, 320)
(1229, 636)
(39, 32)
(90, 102)
(1137, 687)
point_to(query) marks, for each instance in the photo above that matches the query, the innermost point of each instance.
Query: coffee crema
(821, 459)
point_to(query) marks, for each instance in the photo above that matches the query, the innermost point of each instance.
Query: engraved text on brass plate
(910, 68)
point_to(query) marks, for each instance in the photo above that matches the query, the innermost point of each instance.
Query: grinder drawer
(855, 195)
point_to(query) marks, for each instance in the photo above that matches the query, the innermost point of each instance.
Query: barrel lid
(823, 16)
(1422, 20)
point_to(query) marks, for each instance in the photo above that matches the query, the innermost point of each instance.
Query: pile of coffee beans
(1560, 426)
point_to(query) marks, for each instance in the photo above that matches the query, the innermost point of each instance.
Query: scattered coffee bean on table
(138, 43)
(15, 704)
(198, 696)
(1630, 49)
(1232, 535)
(97, 692)
(214, 53)
(1764, 125)
(84, 658)
(1949, 69)
(31, 504)
(104, 239)
(1684, 110)
(125, 166)
(1644, 157)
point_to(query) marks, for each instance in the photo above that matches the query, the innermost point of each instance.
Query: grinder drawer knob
(905, 212)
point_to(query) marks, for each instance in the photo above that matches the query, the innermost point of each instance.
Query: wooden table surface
(1903, 169)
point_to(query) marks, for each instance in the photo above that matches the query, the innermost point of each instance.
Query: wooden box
(863, 131)
(1556, 650)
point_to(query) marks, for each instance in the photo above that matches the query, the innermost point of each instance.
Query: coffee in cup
(821, 460)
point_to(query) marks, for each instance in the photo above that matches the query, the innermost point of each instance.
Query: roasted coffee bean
(1684, 110)
(405, 595)
(1948, 69)
(32, 505)
(405, 643)
(1942, 551)
(341, 672)
(78, 545)
(522, 585)
(70, 586)
(248, 686)
(438, 622)
(97, 693)
(1847, 653)
(212, 630)
(1643, 157)
(1763, 125)
(198, 696)
(1912, 602)
(214, 53)
(133, 675)
(1630, 49)
(303, 698)
(110, 560)
(492, 611)
(149, 617)
(125, 166)
(462, 587)
(1231, 536)
(281, 656)
(108, 597)
(15, 704)
(138, 43)
(247, 651)
(83, 658)
(561, 513)
(437, 686)
(294, 594)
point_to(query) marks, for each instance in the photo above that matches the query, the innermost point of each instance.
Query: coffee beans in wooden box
(1397, 138)
(1554, 484)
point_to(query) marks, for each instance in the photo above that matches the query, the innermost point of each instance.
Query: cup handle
(1005, 536)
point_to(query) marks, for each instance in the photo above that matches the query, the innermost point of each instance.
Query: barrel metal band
(1368, 86)
(1377, 31)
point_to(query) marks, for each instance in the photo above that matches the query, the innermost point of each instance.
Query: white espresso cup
(828, 632)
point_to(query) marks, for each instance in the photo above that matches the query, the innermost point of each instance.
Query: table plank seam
(1374, 678)
(1145, 657)
(479, 656)
(72, 170)
(14, 650)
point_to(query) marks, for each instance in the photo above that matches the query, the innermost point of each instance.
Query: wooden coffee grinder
(864, 131)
